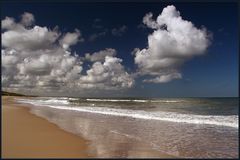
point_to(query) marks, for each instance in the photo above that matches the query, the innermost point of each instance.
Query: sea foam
(63, 104)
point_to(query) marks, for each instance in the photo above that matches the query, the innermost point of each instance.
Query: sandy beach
(27, 136)
(103, 133)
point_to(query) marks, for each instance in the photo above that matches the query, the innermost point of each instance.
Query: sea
(147, 127)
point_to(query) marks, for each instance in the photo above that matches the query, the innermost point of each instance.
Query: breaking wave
(219, 120)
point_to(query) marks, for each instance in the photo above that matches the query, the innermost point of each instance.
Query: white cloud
(8, 23)
(39, 68)
(71, 39)
(173, 41)
(29, 39)
(164, 78)
(108, 75)
(147, 20)
(100, 56)
(9, 59)
(36, 59)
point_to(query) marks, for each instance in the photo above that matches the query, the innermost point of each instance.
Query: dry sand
(27, 136)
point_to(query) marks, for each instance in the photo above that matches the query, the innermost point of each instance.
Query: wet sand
(25, 135)
(38, 135)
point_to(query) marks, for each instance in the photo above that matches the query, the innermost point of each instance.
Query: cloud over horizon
(173, 42)
(36, 58)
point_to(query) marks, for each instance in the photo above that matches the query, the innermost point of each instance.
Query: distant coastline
(4, 93)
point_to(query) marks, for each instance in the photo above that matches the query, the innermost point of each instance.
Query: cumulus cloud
(109, 72)
(36, 38)
(36, 58)
(147, 20)
(100, 56)
(106, 69)
(38, 69)
(20, 36)
(119, 31)
(71, 39)
(8, 23)
(173, 42)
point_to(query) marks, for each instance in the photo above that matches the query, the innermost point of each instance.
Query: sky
(120, 49)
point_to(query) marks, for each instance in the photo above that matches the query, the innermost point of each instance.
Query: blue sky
(215, 73)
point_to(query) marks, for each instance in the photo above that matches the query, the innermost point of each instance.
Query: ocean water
(179, 127)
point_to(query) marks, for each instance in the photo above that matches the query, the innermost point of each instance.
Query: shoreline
(35, 132)
(25, 135)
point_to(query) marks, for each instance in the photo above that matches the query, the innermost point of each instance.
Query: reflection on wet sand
(111, 143)
(113, 136)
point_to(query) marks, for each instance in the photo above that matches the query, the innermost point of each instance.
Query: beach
(25, 135)
(63, 127)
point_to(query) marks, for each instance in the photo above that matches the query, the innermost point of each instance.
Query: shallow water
(194, 128)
